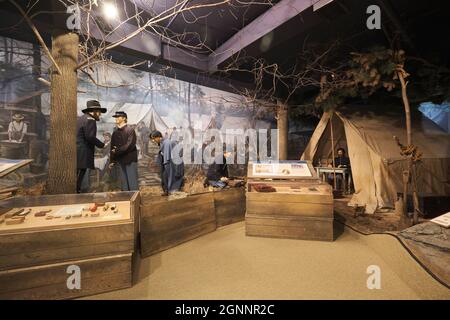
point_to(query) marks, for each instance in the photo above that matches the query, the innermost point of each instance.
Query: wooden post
(189, 106)
(410, 164)
(332, 151)
(37, 118)
(63, 115)
(283, 128)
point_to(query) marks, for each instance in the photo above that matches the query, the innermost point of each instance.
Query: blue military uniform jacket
(87, 141)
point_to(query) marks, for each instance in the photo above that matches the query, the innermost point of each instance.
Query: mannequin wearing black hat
(87, 139)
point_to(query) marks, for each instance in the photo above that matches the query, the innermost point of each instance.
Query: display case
(286, 199)
(40, 237)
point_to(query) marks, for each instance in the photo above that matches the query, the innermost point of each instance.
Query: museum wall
(152, 101)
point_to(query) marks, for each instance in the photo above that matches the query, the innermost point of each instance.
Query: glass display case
(41, 236)
(286, 199)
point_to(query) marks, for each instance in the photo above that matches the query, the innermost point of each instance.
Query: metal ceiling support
(262, 25)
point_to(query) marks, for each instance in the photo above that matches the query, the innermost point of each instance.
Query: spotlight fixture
(110, 10)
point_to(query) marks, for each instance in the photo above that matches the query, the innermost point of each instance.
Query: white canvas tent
(137, 113)
(367, 135)
(169, 122)
(199, 121)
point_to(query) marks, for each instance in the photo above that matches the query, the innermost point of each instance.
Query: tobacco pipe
(42, 213)
(24, 213)
(10, 215)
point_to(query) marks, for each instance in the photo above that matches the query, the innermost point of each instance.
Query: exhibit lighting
(110, 10)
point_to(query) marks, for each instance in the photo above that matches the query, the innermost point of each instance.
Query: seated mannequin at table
(341, 161)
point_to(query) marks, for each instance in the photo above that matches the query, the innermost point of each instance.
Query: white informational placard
(443, 220)
(68, 211)
(287, 169)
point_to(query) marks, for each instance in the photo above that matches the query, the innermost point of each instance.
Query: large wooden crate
(290, 227)
(34, 256)
(49, 281)
(299, 207)
(229, 206)
(168, 223)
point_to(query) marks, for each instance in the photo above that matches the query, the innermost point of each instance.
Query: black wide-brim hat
(93, 105)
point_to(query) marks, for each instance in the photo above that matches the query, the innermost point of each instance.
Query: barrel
(38, 152)
(13, 150)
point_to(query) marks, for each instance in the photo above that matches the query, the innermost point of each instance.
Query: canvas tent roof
(199, 121)
(136, 113)
(367, 133)
(169, 122)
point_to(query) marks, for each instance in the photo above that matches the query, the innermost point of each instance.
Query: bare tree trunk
(63, 115)
(283, 127)
(410, 164)
(38, 127)
(150, 82)
(189, 105)
(179, 92)
(36, 70)
(332, 151)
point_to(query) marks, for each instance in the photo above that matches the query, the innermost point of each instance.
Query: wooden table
(346, 175)
(10, 165)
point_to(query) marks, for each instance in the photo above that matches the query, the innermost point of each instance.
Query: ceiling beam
(152, 45)
(184, 57)
(144, 42)
(258, 28)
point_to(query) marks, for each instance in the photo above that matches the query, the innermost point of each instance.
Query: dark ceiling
(422, 27)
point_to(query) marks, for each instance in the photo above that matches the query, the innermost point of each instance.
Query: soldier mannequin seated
(341, 161)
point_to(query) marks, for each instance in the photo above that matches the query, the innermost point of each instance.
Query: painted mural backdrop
(151, 101)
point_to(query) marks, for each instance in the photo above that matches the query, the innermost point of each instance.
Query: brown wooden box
(33, 256)
(290, 227)
(168, 223)
(229, 206)
(49, 281)
(300, 208)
